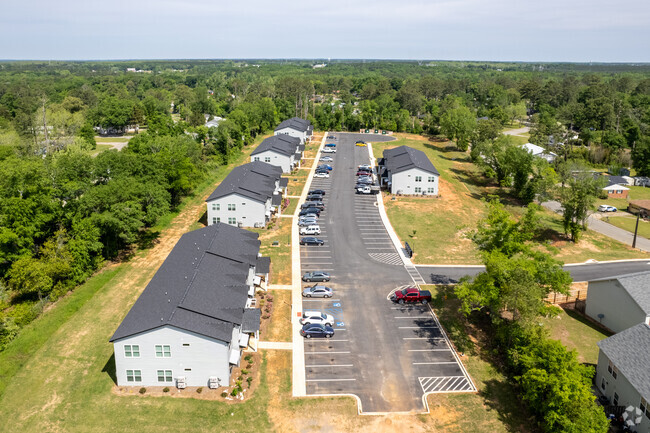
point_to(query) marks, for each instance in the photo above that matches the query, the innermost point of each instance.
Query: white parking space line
(325, 340)
(325, 353)
(373, 248)
(422, 338)
(320, 299)
(333, 365)
(373, 230)
(429, 350)
(417, 327)
(412, 317)
(329, 380)
(435, 363)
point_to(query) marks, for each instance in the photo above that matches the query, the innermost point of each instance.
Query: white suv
(310, 230)
(309, 317)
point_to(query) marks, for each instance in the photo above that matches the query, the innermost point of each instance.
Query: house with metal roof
(296, 127)
(405, 170)
(284, 151)
(248, 196)
(619, 302)
(192, 321)
(539, 152)
(623, 373)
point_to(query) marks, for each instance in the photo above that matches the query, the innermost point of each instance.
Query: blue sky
(520, 30)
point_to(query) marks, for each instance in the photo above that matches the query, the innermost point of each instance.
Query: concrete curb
(384, 218)
(298, 370)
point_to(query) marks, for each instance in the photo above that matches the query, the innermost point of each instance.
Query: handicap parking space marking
(442, 384)
(340, 324)
(336, 304)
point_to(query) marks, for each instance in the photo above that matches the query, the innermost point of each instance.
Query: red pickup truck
(411, 294)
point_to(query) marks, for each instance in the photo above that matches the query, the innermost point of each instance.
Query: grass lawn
(278, 230)
(57, 374)
(102, 147)
(297, 181)
(576, 332)
(280, 326)
(99, 139)
(293, 204)
(629, 224)
(496, 407)
(436, 228)
(519, 139)
(636, 193)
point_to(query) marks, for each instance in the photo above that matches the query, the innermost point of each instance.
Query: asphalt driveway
(387, 355)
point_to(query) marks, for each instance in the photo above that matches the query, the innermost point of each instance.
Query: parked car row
(365, 180)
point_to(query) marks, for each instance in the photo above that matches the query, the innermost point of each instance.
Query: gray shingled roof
(295, 123)
(276, 200)
(263, 265)
(284, 181)
(200, 287)
(251, 321)
(404, 158)
(638, 287)
(282, 144)
(255, 180)
(629, 351)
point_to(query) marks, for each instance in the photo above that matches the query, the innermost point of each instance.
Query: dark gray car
(316, 276)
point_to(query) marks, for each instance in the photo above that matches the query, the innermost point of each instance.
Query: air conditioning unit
(181, 382)
(213, 382)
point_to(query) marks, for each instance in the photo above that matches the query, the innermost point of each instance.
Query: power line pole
(636, 229)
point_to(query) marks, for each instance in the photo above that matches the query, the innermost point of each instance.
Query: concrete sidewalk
(384, 218)
(606, 229)
(298, 358)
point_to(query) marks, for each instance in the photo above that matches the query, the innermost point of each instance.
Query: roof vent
(162, 320)
(169, 300)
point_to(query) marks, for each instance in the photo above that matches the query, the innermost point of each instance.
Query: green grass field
(436, 228)
(99, 139)
(629, 223)
(576, 332)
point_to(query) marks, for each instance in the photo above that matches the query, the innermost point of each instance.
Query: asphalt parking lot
(388, 355)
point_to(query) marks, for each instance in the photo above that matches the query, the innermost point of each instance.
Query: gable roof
(200, 287)
(611, 180)
(296, 123)
(405, 158)
(629, 351)
(536, 150)
(637, 285)
(255, 180)
(282, 144)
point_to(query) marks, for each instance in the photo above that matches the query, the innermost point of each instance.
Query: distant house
(639, 207)
(619, 302)
(539, 152)
(616, 186)
(212, 123)
(191, 322)
(285, 151)
(248, 196)
(296, 127)
(623, 371)
(404, 170)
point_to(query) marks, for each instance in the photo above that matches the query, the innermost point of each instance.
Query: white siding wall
(609, 298)
(405, 182)
(277, 159)
(293, 133)
(205, 357)
(248, 214)
(627, 394)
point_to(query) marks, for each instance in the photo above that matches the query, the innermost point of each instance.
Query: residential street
(606, 229)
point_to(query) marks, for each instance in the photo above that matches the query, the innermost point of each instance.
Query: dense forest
(65, 208)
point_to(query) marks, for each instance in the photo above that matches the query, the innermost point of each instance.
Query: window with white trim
(131, 351)
(216, 206)
(431, 190)
(232, 206)
(163, 351)
(615, 400)
(134, 375)
(164, 375)
(418, 190)
(267, 159)
(645, 407)
(418, 178)
(611, 368)
(232, 221)
(431, 179)
(257, 158)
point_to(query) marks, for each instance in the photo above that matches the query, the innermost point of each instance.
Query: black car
(316, 330)
(310, 210)
(331, 137)
(316, 204)
(317, 276)
(317, 191)
(364, 181)
(359, 142)
(309, 240)
(315, 197)
(322, 170)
